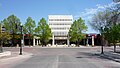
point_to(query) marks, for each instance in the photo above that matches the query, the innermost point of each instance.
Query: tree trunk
(13, 39)
(114, 48)
(29, 40)
(78, 43)
(1, 50)
(42, 43)
(45, 44)
(102, 44)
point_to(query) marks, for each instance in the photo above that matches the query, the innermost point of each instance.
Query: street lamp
(102, 52)
(21, 39)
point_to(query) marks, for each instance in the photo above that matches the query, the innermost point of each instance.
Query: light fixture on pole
(102, 52)
(21, 28)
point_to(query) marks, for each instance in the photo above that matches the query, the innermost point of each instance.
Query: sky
(42, 8)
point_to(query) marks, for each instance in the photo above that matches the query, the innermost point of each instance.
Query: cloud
(88, 12)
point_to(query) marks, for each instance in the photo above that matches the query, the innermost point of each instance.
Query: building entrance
(60, 42)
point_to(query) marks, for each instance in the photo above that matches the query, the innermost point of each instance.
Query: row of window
(60, 28)
(59, 23)
(60, 33)
(60, 19)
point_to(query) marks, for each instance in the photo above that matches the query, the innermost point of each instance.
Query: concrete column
(87, 42)
(92, 40)
(23, 40)
(53, 40)
(68, 42)
(33, 41)
(37, 42)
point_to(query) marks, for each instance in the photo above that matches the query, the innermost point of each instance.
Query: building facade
(60, 25)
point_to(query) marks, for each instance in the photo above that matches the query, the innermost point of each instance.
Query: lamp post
(102, 52)
(21, 39)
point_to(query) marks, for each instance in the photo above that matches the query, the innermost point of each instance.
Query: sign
(22, 41)
(3, 29)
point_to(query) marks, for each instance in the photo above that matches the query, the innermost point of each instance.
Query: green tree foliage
(76, 31)
(4, 36)
(113, 35)
(12, 24)
(43, 31)
(29, 27)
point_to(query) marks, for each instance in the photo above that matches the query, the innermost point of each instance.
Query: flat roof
(60, 17)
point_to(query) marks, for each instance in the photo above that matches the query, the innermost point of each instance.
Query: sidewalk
(13, 59)
(14, 56)
(66, 46)
(5, 53)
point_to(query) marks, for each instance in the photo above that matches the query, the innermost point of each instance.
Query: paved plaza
(43, 57)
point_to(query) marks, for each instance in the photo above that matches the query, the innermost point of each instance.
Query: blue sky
(42, 8)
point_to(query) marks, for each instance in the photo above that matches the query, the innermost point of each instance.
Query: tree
(113, 35)
(108, 20)
(43, 31)
(116, 1)
(76, 31)
(4, 36)
(29, 27)
(100, 20)
(114, 30)
(115, 12)
(12, 25)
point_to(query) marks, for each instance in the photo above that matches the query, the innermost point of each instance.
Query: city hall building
(60, 25)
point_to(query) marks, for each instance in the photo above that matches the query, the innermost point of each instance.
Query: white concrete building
(60, 25)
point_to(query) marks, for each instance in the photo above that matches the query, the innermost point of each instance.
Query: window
(60, 19)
